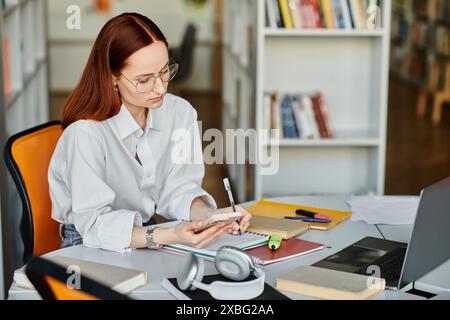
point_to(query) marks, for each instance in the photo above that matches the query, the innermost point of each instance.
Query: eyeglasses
(148, 83)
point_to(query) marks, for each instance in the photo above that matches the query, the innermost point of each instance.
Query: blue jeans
(71, 237)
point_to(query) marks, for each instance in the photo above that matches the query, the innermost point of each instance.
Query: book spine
(339, 14)
(266, 125)
(289, 128)
(318, 117)
(307, 13)
(294, 6)
(298, 117)
(286, 14)
(346, 14)
(272, 20)
(328, 14)
(355, 13)
(7, 81)
(361, 13)
(277, 118)
(307, 132)
(309, 111)
(317, 14)
(294, 128)
(278, 16)
(329, 133)
(350, 13)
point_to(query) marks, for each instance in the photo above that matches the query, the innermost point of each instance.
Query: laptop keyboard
(390, 264)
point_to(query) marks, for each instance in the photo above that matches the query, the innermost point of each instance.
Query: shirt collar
(126, 125)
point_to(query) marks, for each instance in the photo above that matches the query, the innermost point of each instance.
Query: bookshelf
(420, 50)
(23, 97)
(349, 66)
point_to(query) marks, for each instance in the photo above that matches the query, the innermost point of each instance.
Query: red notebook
(289, 249)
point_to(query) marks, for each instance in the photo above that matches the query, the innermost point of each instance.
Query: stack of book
(326, 14)
(298, 116)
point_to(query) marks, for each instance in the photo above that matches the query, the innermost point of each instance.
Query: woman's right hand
(185, 233)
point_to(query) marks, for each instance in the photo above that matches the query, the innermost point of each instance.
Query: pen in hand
(227, 185)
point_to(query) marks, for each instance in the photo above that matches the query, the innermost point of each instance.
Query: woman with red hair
(115, 166)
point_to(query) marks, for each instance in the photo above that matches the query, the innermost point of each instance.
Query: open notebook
(245, 241)
(123, 280)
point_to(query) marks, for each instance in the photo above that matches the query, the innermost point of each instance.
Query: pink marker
(311, 214)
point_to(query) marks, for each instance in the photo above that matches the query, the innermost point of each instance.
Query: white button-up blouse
(105, 177)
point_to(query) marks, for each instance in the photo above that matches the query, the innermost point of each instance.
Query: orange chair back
(28, 155)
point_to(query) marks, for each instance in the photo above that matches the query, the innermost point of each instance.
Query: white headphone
(232, 263)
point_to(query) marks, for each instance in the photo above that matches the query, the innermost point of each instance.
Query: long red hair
(94, 98)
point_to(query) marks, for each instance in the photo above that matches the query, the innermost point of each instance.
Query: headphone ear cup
(192, 269)
(228, 258)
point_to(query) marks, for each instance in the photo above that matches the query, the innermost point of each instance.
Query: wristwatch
(149, 236)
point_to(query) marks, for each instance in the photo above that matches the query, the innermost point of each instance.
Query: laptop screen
(430, 240)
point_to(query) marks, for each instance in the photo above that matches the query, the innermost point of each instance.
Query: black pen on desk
(227, 185)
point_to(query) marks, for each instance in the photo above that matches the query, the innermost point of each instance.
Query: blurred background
(383, 124)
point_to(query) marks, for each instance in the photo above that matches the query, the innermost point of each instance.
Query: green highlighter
(275, 242)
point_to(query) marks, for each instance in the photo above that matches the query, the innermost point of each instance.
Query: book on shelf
(7, 84)
(289, 127)
(123, 280)
(329, 284)
(297, 116)
(420, 37)
(318, 14)
(286, 13)
(443, 41)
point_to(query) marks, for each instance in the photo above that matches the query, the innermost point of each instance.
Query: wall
(69, 49)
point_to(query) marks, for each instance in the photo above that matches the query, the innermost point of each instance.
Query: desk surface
(161, 265)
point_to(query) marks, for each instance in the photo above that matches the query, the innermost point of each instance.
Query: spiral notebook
(245, 241)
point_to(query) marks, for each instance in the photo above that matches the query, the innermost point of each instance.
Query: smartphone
(223, 217)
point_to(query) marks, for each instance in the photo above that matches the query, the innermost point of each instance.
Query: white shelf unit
(24, 26)
(23, 23)
(239, 72)
(350, 68)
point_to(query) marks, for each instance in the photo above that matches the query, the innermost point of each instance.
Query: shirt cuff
(182, 208)
(114, 231)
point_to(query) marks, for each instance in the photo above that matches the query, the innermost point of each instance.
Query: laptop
(399, 263)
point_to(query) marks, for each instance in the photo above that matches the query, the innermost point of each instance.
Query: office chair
(27, 156)
(184, 54)
(51, 281)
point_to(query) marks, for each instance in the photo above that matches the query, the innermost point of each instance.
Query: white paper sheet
(389, 210)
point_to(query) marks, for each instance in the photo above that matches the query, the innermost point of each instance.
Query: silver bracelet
(150, 242)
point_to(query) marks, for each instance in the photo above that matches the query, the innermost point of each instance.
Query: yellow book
(279, 210)
(328, 14)
(330, 284)
(286, 13)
